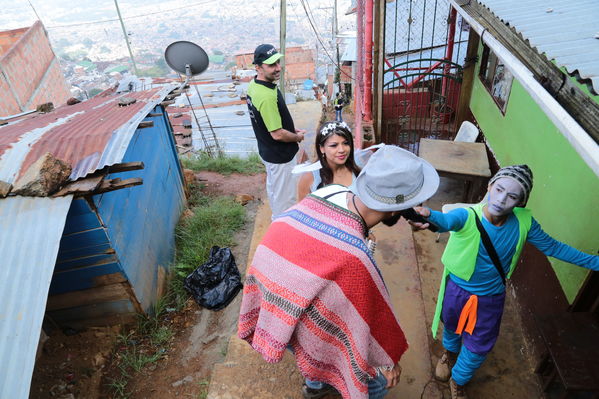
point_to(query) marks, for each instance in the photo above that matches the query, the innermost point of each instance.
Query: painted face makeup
(504, 195)
(336, 149)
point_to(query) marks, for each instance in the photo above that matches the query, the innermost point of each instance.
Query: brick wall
(298, 55)
(9, 37)
(300, 71)
(244, 61)
(30, 73)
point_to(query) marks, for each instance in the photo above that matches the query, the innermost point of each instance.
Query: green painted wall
(565, 197)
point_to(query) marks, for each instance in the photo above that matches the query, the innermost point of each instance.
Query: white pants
(281, 186)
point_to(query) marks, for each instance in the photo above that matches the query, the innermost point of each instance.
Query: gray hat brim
(429, 188)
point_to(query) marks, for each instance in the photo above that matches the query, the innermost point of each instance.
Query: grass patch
(136, 359)
(214, 222)
(119, 388)
(225, 165)
(204, 385)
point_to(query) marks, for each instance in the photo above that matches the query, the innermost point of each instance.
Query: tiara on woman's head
(330, 127)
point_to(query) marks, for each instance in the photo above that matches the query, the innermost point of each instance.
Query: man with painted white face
(472, 294)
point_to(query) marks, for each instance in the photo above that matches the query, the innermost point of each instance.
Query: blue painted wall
(85, 252)
(140, 221)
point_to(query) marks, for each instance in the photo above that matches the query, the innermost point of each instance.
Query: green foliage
(225, 165)
(153, 72)
(204, 385)
(118, 388)
(136, 359)
(94, 92)
(214, 221)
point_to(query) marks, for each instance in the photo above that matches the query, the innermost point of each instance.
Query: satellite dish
(186, 58)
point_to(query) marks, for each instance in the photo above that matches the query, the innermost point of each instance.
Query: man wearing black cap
(273, 126)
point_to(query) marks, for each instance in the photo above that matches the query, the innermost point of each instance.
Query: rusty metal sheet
(89, 135)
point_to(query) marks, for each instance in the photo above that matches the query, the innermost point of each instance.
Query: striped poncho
(313, 286)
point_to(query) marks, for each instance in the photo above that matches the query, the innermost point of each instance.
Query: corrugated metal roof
(30, 231)
(233, 131)
(565, 31)
(89, 135)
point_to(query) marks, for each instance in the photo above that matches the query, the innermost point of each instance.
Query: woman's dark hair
(331, 128)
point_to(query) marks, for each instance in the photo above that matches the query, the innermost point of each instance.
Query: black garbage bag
(216, 283)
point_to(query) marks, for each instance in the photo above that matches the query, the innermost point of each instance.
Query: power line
(323, 46)
(132, 17)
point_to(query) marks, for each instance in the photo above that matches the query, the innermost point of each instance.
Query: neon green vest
(459, 257)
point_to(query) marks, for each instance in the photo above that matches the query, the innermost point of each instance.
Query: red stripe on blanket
(352, 278)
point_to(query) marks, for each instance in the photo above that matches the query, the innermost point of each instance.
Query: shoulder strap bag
(489, 246)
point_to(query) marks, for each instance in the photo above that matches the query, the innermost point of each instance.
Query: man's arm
(286, 136)
(557, 249)
(451, 221)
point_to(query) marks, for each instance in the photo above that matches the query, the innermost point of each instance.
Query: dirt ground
(79, 365)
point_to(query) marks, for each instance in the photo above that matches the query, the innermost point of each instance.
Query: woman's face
(504, 195)
(336, 149)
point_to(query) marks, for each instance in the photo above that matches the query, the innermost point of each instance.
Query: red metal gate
(422, 75)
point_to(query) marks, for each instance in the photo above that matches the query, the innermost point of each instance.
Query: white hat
(395, 179)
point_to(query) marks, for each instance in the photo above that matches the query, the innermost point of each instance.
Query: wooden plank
(144, 124)
(183, 141)
(100, 314)
(125, 167)
(456, 157)
(117, 184)
(579, 104)
(166, 103)
(106, 293)
(102, 321)
(81, 186)
(153, 115)
(468, 78)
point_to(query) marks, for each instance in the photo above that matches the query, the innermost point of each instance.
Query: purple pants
(488, 317)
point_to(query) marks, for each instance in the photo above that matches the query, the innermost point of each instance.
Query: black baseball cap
(266, 54)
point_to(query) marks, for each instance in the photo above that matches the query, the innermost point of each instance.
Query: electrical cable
(323, 46)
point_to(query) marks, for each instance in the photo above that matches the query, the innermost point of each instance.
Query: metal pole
(359, 90)
(283, 37)
(368, 62)
(336, 22)
(126, 37)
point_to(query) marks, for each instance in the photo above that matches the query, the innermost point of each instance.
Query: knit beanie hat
(521, 174)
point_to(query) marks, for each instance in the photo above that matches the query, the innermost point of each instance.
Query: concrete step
(245, 375)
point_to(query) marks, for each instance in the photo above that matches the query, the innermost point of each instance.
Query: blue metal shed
(92, 257)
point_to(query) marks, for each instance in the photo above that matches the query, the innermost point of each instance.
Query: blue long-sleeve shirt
(486, 280)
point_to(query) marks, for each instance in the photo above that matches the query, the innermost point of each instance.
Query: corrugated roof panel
(88, 135)
(561, 29)
(30, 231)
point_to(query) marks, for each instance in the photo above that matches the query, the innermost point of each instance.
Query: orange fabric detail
(468, 316)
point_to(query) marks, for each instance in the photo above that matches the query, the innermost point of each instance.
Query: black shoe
(311, 393)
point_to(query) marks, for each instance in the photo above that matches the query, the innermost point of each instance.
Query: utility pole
(126, 37)
(335, 23)
(283, 38)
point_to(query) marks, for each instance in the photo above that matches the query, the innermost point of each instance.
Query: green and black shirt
(268, 113)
